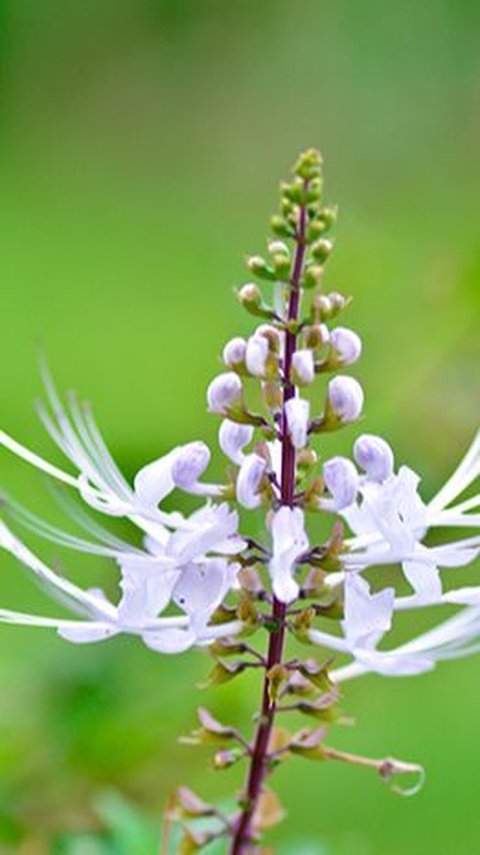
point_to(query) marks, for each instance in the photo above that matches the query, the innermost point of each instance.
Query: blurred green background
(141, 145)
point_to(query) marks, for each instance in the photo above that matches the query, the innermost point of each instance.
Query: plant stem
(258, 763)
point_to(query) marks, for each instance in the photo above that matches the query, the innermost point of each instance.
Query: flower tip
(374, 455)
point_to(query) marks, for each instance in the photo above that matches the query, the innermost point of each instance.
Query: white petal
(169, 640)
(233, 438)
(256, 355)
(87, 633)
(147, 585)
(425, 581)
(93, 604)
(289, 543)
(341, 479)
(297, 414)
(154, 481)
(249, 479)
(367, 616)
(375, 456)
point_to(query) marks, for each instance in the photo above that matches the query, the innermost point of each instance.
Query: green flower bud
(312, 276)
(309, 164)
(321, 249)
(260, 268)
(280, 227)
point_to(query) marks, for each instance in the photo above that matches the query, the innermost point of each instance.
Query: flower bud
(317, 335)
(250, 295)
(190, 462)
(312, 276)
(321, 249)
(280, 227)
(338, 301)
(260, 268)
(256, 355)
(249, 479)
(297, 414)
(345, 398)
(324, 307)
(309, 164)
(375, 456)
(233, 438)
(341, 479)
(303, 368)
(234, 352)
(224, 391)
(347, 345)
(278, 247)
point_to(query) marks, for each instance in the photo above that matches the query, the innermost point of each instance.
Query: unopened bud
(321, 249)
(281, 267)
(250, 295)
(234, 352)
(260, 268)
(309, 164)
(347, 345)
(256, 355)
(233, 438)
(302, 371)
(280, 227)
(249, 480)
(341, 480)
(297, 414)
(345, 398)
(190, 462)
(316, 336)
(375, 457)
(338, 301)
(312, 276)
(226, 757)
(224, 392)
(278, 247)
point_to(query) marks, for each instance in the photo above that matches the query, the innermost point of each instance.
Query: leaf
(324, 708)
(192, 805)
(276, 677)
(308, 743)
(223, 672)
(317, 673)
(213, 726)
(269, 811)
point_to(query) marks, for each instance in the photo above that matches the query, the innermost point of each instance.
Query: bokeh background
(141, 145)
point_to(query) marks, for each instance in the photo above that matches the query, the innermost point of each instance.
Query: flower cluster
(282, 393)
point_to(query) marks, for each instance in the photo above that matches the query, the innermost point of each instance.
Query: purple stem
(258, 769)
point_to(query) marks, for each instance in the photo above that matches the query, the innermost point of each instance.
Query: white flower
(303, 367)
(289, 543)
(391, 519)
(257, 354)
(233, 438)
(341, 480)
(234, 352)
(345, 397)
(297, 414)
(374, 456)
(450, 639)
(346, 344)
(368, 618)
(178, 570)
(224, 391)
(249, 479)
